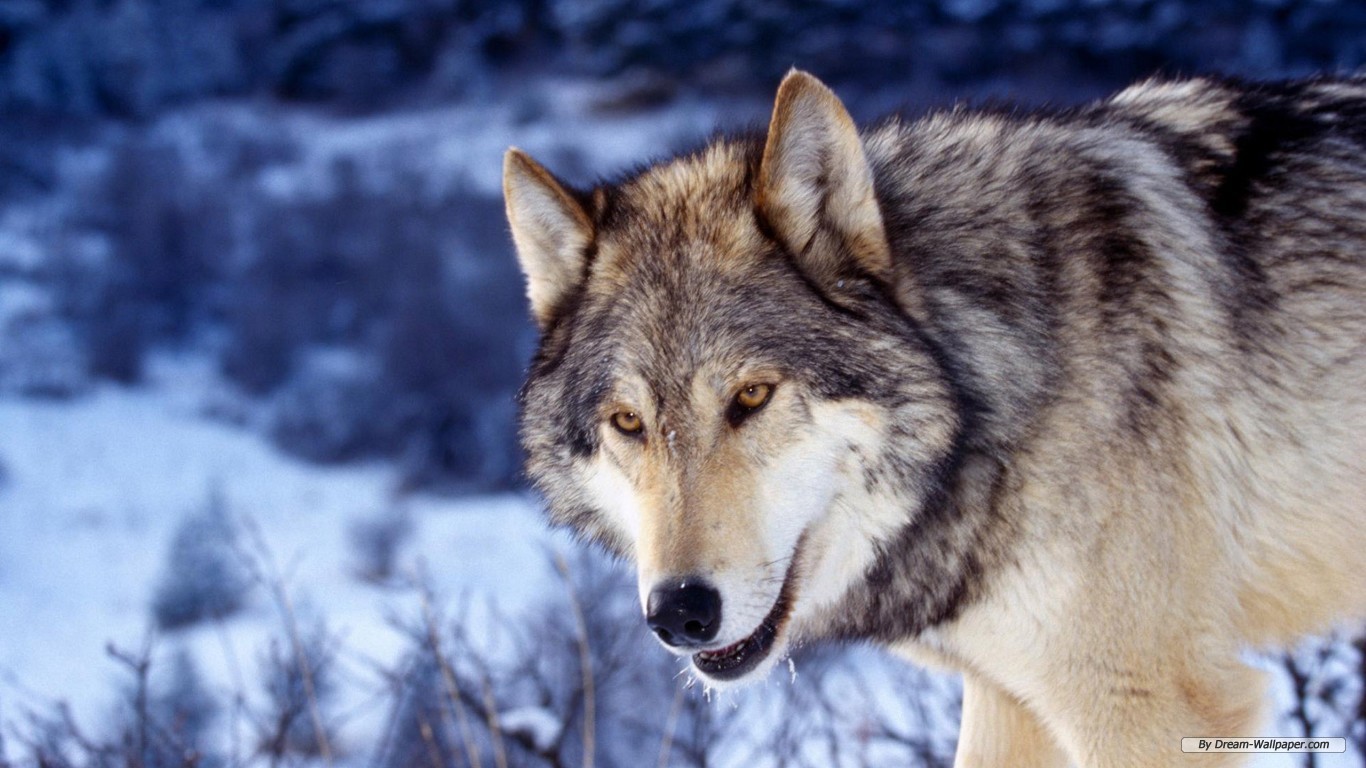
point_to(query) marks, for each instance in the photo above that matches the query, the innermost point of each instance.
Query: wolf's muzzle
(684, 616)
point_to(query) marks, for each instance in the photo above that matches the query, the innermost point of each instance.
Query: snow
(96, 487)
(540, 725)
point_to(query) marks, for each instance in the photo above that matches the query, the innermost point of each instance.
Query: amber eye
(753, 396)
(747, 402)
(627, 422)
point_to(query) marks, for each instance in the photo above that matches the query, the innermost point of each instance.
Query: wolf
(1071, 401)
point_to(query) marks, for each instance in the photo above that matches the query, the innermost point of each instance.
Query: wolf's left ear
(551, 230)
(815, 187)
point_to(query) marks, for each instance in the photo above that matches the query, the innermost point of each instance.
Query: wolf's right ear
(551, 230)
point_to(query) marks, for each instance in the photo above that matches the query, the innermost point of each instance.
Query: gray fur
(1094, 296)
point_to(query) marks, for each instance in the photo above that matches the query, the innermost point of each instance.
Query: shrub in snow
(116, 343)
(423, 719)
(162, 716)
(163, 720)
(452, 352)
(140, 263)
(40, 355)
(444, 446)
(329, 410)
(299, 687)
(167, 235)
(375, 542)
(260, 348)
(388, 322)
(204, 577)
(133, 58)
(494, 687)
(47, 740)
(29, 147)
(184, 708)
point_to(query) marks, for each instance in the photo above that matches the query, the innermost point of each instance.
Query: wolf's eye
(753, 396)
(747, 401)
(627, 422)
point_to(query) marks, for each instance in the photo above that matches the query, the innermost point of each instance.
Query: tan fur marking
(694, 203)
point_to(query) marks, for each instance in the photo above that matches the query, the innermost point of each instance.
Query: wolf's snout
(684, 616)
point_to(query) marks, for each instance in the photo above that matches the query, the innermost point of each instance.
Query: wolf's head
(729, 390)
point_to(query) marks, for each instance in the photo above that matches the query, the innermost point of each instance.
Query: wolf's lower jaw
(741, 658)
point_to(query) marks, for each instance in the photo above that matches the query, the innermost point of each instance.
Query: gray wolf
(1072, 402)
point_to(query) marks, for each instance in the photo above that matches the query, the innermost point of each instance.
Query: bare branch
(585, 662)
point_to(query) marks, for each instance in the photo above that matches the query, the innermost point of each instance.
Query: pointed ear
(550, 229)
(815, 186)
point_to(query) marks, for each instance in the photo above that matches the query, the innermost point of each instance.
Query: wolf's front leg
(998, 730)
(1138, 720)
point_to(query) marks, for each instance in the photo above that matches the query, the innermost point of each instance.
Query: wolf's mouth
(739, 659)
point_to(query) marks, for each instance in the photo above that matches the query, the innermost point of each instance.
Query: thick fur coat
(1072, 402)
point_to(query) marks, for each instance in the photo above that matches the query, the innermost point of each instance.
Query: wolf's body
(1073, 403)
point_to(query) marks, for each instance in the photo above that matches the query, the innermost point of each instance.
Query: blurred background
(261, 332)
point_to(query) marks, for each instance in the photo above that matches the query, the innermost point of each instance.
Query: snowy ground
(95, 489)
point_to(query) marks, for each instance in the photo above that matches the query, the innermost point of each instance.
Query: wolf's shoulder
(1223, 136)
(1229, 111)
(1213, 111)
(1236, 136)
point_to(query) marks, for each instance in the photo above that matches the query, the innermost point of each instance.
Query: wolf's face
(727, 390)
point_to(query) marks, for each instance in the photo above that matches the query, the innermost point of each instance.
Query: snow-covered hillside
(94, 490)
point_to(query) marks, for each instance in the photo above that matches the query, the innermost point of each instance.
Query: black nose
(686, 615)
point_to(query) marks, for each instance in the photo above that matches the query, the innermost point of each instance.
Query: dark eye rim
(737, 413)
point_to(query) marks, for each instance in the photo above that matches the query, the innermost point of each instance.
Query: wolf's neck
(995, 340)
(973, 266)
